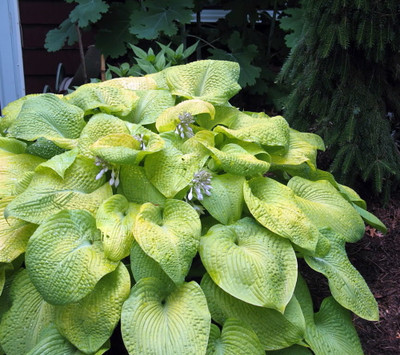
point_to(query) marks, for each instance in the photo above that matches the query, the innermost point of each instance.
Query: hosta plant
(151, 207)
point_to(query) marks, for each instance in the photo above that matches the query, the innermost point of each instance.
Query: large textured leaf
(250, 263)
(12, 145)
(16, 171)
(274, 206)
(136, 187)
(302, 149)
(235, 338)
(226, 201)
(108, 99)
(372, 220)
(90, 322)
(172, 169)
(264, 130)
(132, 83)
(99, 126)
(115, 218)
(47, 116)
(60, 163)
(346, 284)
(292, 350)
(208, 80)
(169, 119)
(326, 208)
(163, 320)
(14, 234)
(151, 104)
(275, 330)
(22, 323)
(48, 193)
(170, 235)
(65, 257)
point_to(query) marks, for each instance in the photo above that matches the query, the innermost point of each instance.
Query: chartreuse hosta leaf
(267, 131)
(136, 187)
(274, 206)
(274, 329)
(48, 193)
(65, 257)
(330, 331)
(115, 218)
(208, 80)
(16, 171)
(250, 263)
(346, 284)
(60, 163)
(28, 315)
(100, 125)
(170, 235)
(12, 145)
(89, 322)
(172, 169)
(173, 116)
(150, 105)
(47, 116)
(14, 234)
(131, 83)
(163, 319)
(108, 99)
(123, 148)
(292, 350)
(372, 220)
(226, 201)
(326, 208)
(302, 149)
(235, 338)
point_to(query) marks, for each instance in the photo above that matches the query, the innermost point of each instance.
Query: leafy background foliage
(177, 223)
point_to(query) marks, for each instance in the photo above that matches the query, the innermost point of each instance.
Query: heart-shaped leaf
(250, 263)
(274, 329)
(65, 257)
(161, 319)
(235, 338)
(170, 235)
(115, 218)
(48, 193)
(274, 206)
(208, 80)
(28, 315)
(90, 322)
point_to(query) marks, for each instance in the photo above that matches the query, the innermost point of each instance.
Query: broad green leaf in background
(90, 322)
(88, 11)
(267, 131)
(65, 257)
(47, 149)
(150, 105)
(326, 208)
(169, 119)
(170, 235)
(171, 170)
(235, 338)
(160, 18)
(47, 116)
(208, 80)
(99, 126)
(115, 218)
(14, 234)
(274, 206)
(28, 315)
(143, 266)
(226, 201)
(161, 319)
(136, 187)
(48, 193)
(16, 171)
(302, 148)
(274, 329)
(292, 350)
(60, 163)
(108, 99)
(56, 38)
(250, 263)
(346, 284)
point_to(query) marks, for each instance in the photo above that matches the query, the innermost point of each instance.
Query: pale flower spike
(114, 181)
(201, 183)
(183, 128)
(140, 139)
